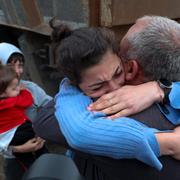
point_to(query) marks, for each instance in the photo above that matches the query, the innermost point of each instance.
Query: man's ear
(131, 69)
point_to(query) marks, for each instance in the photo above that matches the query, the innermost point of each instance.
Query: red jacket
(12, 110)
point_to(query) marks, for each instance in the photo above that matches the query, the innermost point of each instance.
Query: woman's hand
(128, 100)
(30, 146)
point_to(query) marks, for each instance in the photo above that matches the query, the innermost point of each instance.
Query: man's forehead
(139, 25)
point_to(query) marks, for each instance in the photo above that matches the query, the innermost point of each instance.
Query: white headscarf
(6, 50)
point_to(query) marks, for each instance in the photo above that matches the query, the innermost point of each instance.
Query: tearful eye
(96, 89)
(118, 74)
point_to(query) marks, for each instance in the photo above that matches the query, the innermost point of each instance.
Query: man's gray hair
(157, 48)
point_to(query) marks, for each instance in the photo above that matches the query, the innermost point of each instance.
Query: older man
(135, 74)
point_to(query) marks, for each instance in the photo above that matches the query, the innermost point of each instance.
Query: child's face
(18, 67)
(13, 89)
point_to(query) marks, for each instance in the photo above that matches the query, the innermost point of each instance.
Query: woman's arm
(128, 99)
(46, 126)
(40, 98)
(39, 95)
(92, 133)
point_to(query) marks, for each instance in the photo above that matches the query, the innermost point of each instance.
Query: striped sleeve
(93, 133)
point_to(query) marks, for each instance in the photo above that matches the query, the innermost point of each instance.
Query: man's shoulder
(153, 117)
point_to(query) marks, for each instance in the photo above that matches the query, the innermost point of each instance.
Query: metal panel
(94, 16)
(70, 10)
(22, 13)
(119, 12)
(32, 12)
(9, 11)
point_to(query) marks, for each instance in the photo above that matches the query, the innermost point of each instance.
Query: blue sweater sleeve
(93, 133)
(174, 95)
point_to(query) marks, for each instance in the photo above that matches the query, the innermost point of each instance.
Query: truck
(24, 23)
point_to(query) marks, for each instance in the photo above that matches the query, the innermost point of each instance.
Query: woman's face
(18, 67)
(104, 77)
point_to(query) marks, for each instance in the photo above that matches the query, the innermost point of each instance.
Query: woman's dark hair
(7, 74)
(16, 57)
(77, 50)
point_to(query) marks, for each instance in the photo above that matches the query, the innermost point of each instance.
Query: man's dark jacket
(103, 168)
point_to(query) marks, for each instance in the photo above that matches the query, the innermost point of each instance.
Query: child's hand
(22, 86)
(30, 146)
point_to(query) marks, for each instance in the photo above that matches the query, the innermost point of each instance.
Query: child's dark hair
(15, 57)
(77, 50)
(7, 75)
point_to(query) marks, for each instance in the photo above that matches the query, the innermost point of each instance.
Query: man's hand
(128, 100)
(169, 143)
(177, 144)
(30, 146)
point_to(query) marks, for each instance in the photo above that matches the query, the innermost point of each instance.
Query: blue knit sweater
(174, 95)
(93, 133)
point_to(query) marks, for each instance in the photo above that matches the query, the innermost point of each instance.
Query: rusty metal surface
(69, 10)
(37, 61)
(9, 12)
(14, 12)
(25, 24)
(94, 13)
(122, 12)
(35, 14)
(32, 12)
(43, 29)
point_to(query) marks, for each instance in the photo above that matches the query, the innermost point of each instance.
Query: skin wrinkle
(110, 77)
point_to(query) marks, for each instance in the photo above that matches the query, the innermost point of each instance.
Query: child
(16, 132)
(13, 56)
